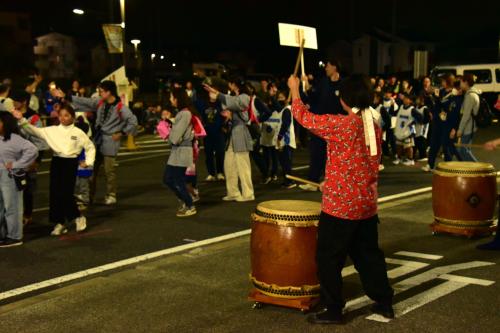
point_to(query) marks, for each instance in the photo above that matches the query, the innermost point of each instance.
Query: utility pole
(394, 29)
(122, 11)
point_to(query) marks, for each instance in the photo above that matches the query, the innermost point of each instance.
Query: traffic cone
(131, 143)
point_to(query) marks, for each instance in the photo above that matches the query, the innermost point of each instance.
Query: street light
(136, 42)
(153, 56)
(162, 57)
(173, 64)
(78, 11)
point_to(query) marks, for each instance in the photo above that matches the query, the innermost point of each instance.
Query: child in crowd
(16, 154)
(422, 129)
(286, 139)
(269, 141)
(67, 142)
(389, 110)
(21, 100)
(404, 132)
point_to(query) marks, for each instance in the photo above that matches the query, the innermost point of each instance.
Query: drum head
(290, 207)
(466, 168)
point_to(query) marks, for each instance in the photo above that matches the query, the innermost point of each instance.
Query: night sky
(206, 27)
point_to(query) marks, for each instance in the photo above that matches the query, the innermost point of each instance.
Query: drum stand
(304, 304)
(438, 228)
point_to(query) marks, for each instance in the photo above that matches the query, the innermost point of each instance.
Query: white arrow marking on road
(406, 267)
(418, 255)
(453, 283)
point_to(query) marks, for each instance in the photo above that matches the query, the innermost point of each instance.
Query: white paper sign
(290, 35)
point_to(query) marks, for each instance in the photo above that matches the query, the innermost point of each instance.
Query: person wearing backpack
(113, 121)
(470, 109)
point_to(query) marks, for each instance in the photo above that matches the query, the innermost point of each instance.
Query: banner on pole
(113, 33)
(291, 35)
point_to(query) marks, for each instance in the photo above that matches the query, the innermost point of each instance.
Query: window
(497, 74)
(481, 75)
(438, 73)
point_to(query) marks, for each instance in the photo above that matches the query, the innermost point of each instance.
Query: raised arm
(85, 104)
(234, 103)
(328, 127)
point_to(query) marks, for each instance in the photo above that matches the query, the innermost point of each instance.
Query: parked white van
(487, 78)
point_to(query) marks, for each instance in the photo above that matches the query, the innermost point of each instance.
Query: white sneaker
(110, 201)
(427, 168)
(409, 162)
(231, 198)
(210, 178)
(81, 223)
(423, 159)
(221, 177)
(307, 187)
(381, 167)
(59, 230)
(397, 161)
(185, 212)
(243, 199)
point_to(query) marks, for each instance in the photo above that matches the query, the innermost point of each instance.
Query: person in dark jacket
(444, 118)
(323, 99)
(216, 138)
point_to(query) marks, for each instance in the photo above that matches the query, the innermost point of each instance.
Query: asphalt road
(144, 221)
(204, 290)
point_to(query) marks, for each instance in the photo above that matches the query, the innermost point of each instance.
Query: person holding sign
(349, 220)
(323, 98)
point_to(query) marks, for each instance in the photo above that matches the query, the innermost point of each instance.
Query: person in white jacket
(66, 142)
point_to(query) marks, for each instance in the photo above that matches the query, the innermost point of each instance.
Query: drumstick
(297, 64)
(302, 180)
(469, 145)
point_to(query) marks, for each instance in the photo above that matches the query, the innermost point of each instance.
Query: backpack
(119, 107)
(483, 117)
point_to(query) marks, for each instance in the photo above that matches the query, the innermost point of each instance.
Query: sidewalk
(205, 290)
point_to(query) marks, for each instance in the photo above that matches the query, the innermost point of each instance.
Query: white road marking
(468, 280)
(415, 281)
(453, 283)
(405, 194)
(141, 147)
(118, 264)
(301, 167)
(418, 255)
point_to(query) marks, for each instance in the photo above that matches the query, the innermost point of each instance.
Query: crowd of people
(237, 122)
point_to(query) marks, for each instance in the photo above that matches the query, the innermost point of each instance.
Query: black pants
(317, 159)
(337, 239)
(258, 158)
(62, 186)
(214, 152)
(285, 157)
(174, 177)
(389, 146)
(29, 193)
(420, 147)
(271, 160)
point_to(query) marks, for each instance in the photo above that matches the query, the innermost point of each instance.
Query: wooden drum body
(464, 196)
(283, 250)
